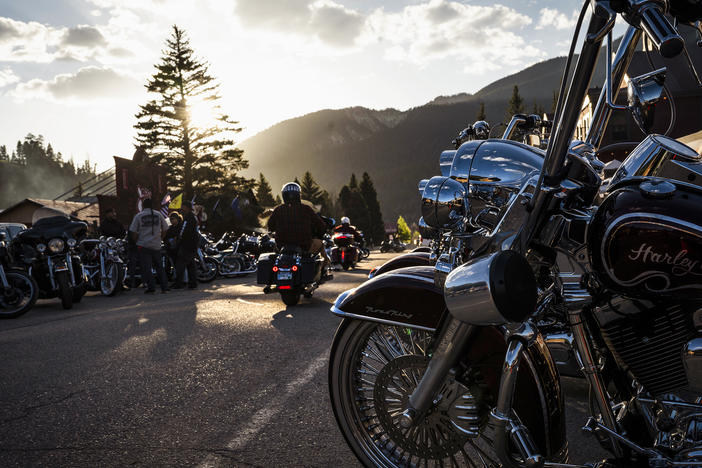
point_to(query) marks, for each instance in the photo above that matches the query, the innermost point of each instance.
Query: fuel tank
(406, 297)
(646, 239)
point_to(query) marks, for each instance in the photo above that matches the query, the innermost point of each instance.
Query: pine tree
(3, 153)
(403, 231)
(353, 183)
(376, 226)
(481, 112)
(516, 103)
(278, 200)
(310, 190)
(264, 194)
(201, 156)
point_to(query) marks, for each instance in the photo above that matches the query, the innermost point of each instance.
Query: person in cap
(297, 224)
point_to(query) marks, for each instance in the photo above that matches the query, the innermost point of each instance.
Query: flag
(215, 213)
(235, 207)
(164, 205)
(176, 202)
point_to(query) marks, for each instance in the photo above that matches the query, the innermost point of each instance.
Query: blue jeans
(147, 258)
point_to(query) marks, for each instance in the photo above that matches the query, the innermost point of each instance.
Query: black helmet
(291, 192)
(481, 129)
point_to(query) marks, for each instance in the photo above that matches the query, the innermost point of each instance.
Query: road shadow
(310, 316)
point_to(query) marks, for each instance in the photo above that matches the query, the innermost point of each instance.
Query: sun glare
(203, 114)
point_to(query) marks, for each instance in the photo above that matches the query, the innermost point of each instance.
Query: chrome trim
(336, 311)
(592, 374)
(468, 296)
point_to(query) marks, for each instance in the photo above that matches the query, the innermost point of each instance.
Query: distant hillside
(396, 148)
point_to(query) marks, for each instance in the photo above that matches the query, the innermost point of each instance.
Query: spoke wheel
(19, 297)
(374, 369)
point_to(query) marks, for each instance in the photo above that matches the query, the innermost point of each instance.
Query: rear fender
(401, 261)
(405, 296)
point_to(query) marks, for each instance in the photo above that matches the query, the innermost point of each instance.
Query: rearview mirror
(643, 93)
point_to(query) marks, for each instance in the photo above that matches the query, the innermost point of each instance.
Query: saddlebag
(264, 273)
(309, 269)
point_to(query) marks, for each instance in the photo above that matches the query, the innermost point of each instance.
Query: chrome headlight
(56, 245)
(71, 243)
(444, 202)
(41, 248)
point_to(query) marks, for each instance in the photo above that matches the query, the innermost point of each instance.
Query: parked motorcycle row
(541, 264)
(54, 259)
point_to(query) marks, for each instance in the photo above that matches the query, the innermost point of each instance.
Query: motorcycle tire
(21, 297)
(78, 292)
(208, 271)
(113, 281)
(290, 298)
(230, 266)
(64, 289)
(383, 355)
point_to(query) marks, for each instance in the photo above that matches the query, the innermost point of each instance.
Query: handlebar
(657, 27)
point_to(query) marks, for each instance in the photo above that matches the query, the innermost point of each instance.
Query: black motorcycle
(291, 273)
(345, 252)
(446, 364)
(48, 249)
(104, 268)
(393, 245)
(18, 290)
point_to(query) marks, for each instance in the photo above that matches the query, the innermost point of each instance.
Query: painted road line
(263, 416)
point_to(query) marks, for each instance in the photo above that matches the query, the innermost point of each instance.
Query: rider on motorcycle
(346, 228)
(297, 224)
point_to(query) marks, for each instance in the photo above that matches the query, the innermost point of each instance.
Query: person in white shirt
(148, 229)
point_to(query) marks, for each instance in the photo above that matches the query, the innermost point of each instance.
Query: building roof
(87, 212)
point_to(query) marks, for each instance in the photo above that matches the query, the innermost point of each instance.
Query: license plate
(285, 275)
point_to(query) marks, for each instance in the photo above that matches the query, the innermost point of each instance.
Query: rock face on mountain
(396, 148)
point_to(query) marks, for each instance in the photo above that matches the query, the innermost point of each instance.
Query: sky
(74, 70)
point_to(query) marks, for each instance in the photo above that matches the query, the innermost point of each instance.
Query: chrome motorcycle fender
(406, 296)
(401, 261)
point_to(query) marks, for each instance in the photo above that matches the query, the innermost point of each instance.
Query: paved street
(221, 376)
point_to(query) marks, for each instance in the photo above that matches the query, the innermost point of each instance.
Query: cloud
(87, 84)
(552, 18)
(7, 77)
(84, 36)
(484, 35)
(26, 42)
(35, 42)
(330, 22)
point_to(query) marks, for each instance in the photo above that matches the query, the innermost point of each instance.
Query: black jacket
(112, 228)
(189, 237)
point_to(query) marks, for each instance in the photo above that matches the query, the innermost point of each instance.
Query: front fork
(3, 278)
(509, 433)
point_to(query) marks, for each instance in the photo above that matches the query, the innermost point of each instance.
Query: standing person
(187, 248)
(172, 234)
(110, 226)
(148, 229)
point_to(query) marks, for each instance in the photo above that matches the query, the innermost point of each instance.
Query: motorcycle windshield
(45, 213)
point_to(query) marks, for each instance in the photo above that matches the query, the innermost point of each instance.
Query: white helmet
(345, 220)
